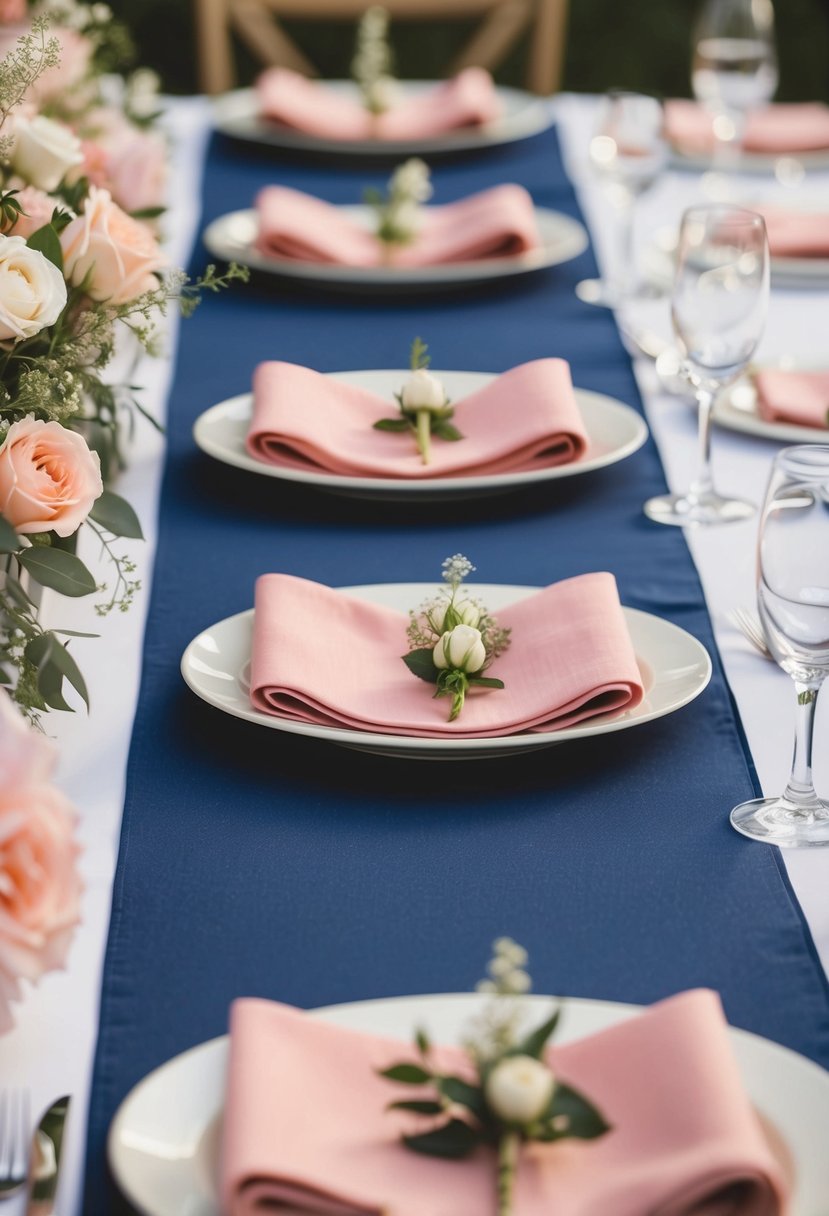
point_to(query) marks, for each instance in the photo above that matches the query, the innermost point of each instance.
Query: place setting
(376, 115)
(418, 435)
(497, 1100)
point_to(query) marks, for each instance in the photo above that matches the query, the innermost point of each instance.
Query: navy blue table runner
(253, 863)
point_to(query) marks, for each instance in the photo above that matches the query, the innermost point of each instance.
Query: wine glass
(793, 597)
(718, 307)
(628, 152)
(734, 69)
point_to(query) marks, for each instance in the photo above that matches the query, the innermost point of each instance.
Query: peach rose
(37, 209)
(117, 252)
(12, 11)
(26, 756)
(40, 888)
(138, 171)
(49, 478)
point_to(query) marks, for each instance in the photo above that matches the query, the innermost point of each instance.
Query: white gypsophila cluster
(371, 66)
(455, 569)
(411, 181)
(142, 89)
(506, 970)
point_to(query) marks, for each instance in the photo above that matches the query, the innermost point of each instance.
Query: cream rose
(44, 151)
(32, 290)
(49, 478)
(117, 252)
(519, 1089)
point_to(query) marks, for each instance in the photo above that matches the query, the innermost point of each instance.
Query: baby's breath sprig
(425, 409)
(454, 639)
(33, 54)
(371, 66)
(514, 1098)
(398, 211)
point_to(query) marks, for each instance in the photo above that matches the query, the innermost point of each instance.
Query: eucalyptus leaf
(460, 1091)
(419, 1108)
(406, 1074)
(445, 430)
(486, 682)
(16, 592)
(148, 213)
(5, 678)
(61, 571)
(45, 651)
(10, 542)
(422, 1040)
(534, 1043)
(116, 515)
(452, 1141)
(46, 241)
(421, 664)
(571, 1116)
(392, 424)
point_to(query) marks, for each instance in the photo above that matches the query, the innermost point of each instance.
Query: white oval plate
(231, 237)
(237, 114)
(736, 409)
(163, 1142)
(615, 432)
(676, 668)
(660, 266)
(752, 162)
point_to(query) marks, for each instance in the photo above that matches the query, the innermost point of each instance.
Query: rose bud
(519, 1089)
(423, 391)
(469, 613)
(462, 649)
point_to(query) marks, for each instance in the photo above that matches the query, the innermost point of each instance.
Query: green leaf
(452, 1141)
(418, 356)
(419, 1108)
(460, 1091)
(49, 655)
(75, 633)
(148, 213)
(535, 1042)
(116, 515)
(17, 594)
(392, 424)
(486, 682)
(421, 664)
(406, 1074)
(422, 1040)
(579, 1118)
(445, 430)
(61, 571)
(10, 542)
(46, 241)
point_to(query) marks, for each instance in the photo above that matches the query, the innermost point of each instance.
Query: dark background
(641, 44)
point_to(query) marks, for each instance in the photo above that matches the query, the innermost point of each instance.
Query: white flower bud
(461, 649)
(469, 613)
(423, 391)
(44, 151)
(519, 1089)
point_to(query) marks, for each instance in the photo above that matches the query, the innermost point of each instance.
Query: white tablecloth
(51, 1049)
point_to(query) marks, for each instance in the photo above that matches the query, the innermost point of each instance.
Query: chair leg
(496, 36)
(266, 38)
(216, 69)
(546, 59)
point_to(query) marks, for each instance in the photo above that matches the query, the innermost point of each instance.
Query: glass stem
(703, 483)
(801, 789)
(625, 273)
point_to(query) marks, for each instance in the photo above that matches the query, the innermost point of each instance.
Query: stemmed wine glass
(719, 305)
(628, 152)
(734, 69)
(793, 597)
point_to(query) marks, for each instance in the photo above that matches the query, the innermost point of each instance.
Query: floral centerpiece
(80, 265)
(511, 1095)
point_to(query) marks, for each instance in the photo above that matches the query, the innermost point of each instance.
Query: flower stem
(508, 1149)
(424, 434)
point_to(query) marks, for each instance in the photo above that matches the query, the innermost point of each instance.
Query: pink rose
(138, 171)
(117, 252)
(37, 211)
(49, 478)
(75, 57)
(12, 11)
(40, 889)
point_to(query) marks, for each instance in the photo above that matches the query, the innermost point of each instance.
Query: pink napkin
(322, 657)
(526, 419)
(499, 222)
(776, 130)
(796, 234)
(306, 1125)
(469, 99)
(800, 397)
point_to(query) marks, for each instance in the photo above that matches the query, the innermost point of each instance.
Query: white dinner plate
(675, 668)
(736, 408)
(659, 261)
(615, 431)
(765, 163)
(163, 1142)
(237, 114)
(231, 237)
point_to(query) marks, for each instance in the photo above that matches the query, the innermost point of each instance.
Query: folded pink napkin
(499, 222)
(775, 130)
(800, 397)
(796, 234)
(469, 99)
(526, 419)
(306, 1129)
(323, 657)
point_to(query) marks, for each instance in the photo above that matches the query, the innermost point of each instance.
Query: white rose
(469, 613)
(32, 290)
(44, 151)
(519, 1089)
(462, 649)
(423, 391)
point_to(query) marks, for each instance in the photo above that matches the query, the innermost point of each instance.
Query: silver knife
(44, 1166)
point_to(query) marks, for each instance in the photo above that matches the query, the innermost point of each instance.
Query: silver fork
(750, 627)
(15, 1137)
